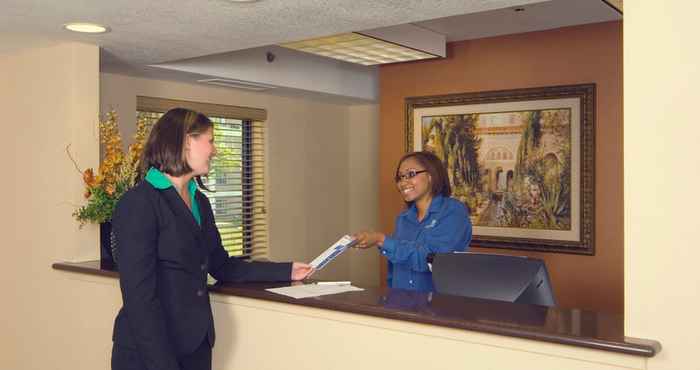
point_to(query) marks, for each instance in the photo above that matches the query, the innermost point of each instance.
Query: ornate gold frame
(585, 93)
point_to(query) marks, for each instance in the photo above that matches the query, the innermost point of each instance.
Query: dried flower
(89, 177)
(117, 172)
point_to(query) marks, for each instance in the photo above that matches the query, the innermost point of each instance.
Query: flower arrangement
(117, 173)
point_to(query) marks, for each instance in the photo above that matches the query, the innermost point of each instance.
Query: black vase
(108, 247)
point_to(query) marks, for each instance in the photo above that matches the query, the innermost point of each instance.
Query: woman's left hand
(301, 271)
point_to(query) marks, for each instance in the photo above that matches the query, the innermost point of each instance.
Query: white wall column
(661, 135)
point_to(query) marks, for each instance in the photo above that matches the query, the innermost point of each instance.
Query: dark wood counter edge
(631, 346)
(77, 267)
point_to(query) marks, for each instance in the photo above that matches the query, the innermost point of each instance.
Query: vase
(108, 247)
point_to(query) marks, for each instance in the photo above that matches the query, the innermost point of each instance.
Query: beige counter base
(258, 334)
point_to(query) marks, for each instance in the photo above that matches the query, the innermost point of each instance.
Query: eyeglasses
(408, 175)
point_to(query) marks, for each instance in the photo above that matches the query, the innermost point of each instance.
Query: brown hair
(164, 149)
(438, 174)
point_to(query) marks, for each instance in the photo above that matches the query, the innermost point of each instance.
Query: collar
(159, 181)
(435, 206)
(156, 178)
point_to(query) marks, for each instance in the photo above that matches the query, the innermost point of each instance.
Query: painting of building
(513, 169)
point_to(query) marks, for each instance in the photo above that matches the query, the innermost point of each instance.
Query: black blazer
(164, 258)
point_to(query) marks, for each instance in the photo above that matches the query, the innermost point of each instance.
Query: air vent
(237, 84)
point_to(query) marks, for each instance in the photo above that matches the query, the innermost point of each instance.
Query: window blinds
(237, 175)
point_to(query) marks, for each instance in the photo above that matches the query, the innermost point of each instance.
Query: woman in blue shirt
(433, 222)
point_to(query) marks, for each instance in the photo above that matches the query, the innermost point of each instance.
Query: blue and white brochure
(332, 252)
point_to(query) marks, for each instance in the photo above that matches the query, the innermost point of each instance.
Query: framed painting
(521, 160)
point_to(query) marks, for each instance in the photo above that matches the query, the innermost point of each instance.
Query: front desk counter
(382, 323)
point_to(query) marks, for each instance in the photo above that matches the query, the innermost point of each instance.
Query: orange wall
(572, 55)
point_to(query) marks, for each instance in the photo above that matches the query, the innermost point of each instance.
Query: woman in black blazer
(168, 243)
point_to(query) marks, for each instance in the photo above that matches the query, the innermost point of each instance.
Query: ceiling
(162, 33)
(534, 17)
(149, 32)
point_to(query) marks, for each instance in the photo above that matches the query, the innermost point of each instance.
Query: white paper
(313, 290)
(332, 252)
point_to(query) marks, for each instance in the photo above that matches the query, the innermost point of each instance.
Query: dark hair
(164, 149)
(438, 174)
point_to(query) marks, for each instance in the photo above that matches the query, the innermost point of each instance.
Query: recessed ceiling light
(86, 27)
(244, 1)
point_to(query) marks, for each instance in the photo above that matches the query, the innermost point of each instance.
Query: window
(236, 178)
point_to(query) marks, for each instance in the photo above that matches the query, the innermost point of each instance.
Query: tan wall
(662, 173)
(49, 100)
(362, 189)
(321, 165)
(583, 54)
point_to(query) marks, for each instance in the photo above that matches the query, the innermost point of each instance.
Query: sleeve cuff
(388, 248)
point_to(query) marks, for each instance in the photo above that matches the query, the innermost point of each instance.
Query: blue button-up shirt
(445, 228)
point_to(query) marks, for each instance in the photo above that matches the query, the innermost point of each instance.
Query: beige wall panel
(50, 99)
(662, 173)
(363, 189)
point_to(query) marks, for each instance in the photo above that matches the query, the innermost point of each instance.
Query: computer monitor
(492, 276)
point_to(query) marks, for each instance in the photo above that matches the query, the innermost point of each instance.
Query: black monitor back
(491, 276)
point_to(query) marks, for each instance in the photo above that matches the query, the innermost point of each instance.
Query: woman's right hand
(301, 271)
(367, 239)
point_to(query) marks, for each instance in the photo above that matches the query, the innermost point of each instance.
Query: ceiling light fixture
(86, 27)
(380, 46)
